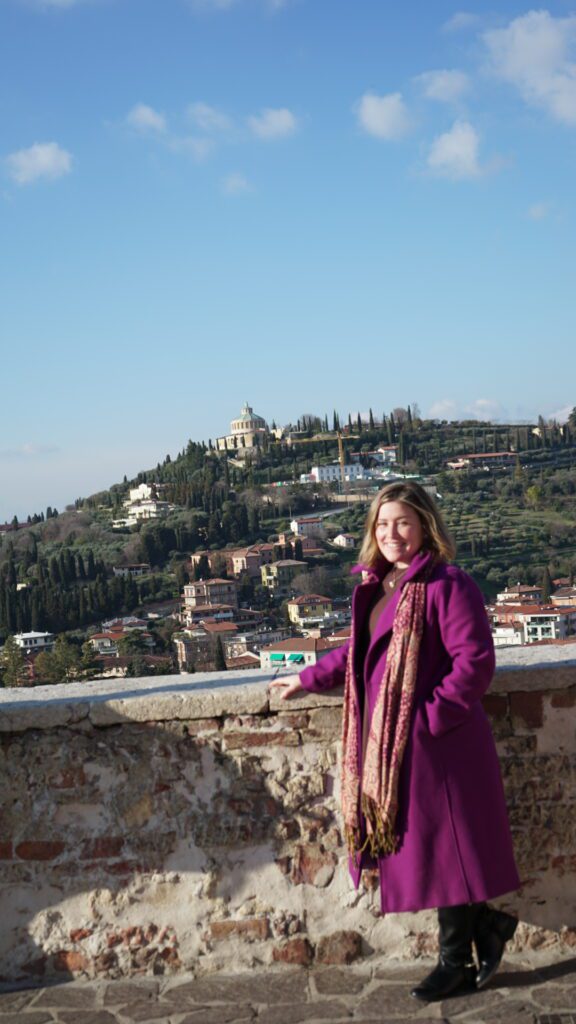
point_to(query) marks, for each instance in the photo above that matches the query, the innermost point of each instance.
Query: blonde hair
(436, 536)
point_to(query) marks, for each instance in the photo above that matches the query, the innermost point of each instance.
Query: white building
(548, 623)
(33, 643)
(508, 636)
(383, 456)
(521, 593)
(141, 493)
(295, 654)
(345, 540)
(536, 621)
(138, 569)
(313, 526)
(142, 511)
(332, 474)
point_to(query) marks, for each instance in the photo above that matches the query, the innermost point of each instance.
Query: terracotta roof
(520, 588)
(210, 583)
(212, 608)
(288, 561)
(538, 609)
(304, 644)
(247, 660)
(310, 598)
(219, 627)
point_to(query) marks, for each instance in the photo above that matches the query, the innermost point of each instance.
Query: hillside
(511, 522)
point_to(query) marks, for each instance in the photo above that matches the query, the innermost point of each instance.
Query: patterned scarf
(374, 794)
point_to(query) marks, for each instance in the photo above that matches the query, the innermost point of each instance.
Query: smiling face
(398, 531)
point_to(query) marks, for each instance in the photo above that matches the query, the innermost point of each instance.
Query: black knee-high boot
(455, 968)
(492, 930)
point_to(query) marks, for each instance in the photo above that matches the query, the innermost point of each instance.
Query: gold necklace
(394, 577)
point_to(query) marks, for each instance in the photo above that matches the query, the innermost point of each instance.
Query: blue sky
(306, 204)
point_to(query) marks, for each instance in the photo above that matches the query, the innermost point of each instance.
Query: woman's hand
(288, 684)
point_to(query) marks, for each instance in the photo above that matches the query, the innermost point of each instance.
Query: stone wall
(191, 823)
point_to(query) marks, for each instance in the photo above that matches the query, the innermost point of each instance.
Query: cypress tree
(219, 659)
(546, 584)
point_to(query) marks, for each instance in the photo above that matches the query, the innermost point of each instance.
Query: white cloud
(28, 450)
(444, 409)
(194, 146)
(532, 54)
(273, 123)
(454, 154)
(446, 86)
(460, 21)
(42, 160)
(235, 184)
(538, 211)
(146, 119)
(385, 117)
(561, 415)
(483, 409)
(208, 118)
(479, 409)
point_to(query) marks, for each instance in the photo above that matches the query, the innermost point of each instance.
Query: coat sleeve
(465, 634)
(328, 672)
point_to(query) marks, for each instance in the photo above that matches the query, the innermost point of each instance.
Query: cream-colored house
(278, 576)
(309, 609)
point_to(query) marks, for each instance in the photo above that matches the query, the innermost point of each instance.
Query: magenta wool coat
(455, 844)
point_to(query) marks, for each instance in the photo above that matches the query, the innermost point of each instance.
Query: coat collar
(364, 594)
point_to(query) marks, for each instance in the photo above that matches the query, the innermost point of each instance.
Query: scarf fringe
(381, 839)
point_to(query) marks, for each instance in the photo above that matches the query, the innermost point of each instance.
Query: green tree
(132, 643)
(62, 665)
(13, 668)
(533, 495)
(546, 584)
(219, 659)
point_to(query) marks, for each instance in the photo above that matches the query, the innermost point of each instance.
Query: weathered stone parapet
(192, 823)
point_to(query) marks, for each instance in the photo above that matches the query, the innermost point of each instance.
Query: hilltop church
(247, 432)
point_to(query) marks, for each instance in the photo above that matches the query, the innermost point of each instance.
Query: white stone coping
(104, 702)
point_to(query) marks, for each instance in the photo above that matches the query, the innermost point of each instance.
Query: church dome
(248, 421)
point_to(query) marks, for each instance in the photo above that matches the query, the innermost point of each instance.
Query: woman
(422, 795)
